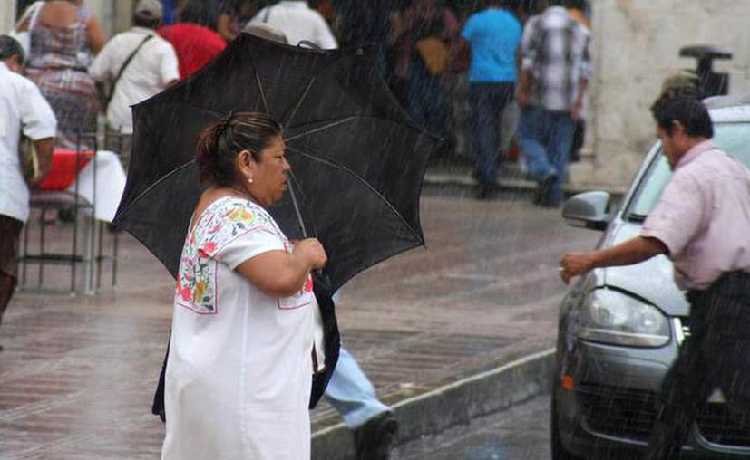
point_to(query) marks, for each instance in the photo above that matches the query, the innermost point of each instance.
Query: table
(100, 183)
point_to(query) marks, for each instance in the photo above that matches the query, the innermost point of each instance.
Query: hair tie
(224, 124)
(225, 127)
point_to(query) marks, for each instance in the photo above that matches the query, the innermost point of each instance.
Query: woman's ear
(246, 164)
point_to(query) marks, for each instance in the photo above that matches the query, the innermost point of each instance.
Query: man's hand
(575, 112)
(633, 251)
(575, 265)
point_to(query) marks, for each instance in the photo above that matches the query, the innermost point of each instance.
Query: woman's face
(269, 174)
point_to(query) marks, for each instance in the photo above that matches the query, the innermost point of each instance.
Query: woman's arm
(96, 34)
(280, 274)
(223, 27)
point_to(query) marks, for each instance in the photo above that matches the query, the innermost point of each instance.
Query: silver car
(620, 327)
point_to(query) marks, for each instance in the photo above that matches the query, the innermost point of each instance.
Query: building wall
(636, 46)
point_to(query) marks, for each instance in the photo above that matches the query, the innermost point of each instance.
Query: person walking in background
(195, 44)
(137, 64)
(702, 224)
(64, 39)
(298, 22)
(494, 35)
(22, 109)
(431, 32)
(555, 69)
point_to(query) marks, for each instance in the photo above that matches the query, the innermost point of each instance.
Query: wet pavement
(77, 373)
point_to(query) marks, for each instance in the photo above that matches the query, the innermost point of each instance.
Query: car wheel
(558, 450)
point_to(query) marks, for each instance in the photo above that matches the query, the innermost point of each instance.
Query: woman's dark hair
(690, 112)
(195, 12)
(220, 142)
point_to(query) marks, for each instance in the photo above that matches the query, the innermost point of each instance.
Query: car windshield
(731, 137)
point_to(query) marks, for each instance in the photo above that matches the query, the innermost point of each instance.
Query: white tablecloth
(110, 183)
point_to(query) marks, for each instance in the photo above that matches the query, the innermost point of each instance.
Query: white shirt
(298, 22)
(152, 68)
(22, 106)
(240, 368)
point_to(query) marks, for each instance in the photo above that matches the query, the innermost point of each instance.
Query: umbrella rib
(301, 99)
(159, 181)
(322, 128)
(366, 184)
(262, 92)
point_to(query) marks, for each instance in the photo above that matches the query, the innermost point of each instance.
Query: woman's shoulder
(229, 218)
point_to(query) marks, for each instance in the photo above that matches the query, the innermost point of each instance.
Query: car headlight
(617, 318)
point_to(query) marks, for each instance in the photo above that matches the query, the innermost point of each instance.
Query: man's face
(673, 146)
(14, 63)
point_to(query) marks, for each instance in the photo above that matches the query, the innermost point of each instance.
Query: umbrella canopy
(357, 158)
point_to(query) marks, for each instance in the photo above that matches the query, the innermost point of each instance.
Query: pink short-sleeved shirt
(703, 217)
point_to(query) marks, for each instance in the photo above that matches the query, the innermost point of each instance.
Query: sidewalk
(77, 374)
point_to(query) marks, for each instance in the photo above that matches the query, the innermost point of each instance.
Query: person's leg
(682, 394)
(484, 135)
(562, 129)
(531, 138)
(351, 393)
(417, 95)
(10, 231)
(353, 396)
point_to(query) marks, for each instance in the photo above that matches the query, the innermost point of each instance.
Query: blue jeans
(351, 394)
(488, 101)
(545, 137)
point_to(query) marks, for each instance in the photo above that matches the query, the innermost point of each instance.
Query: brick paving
(77, 373)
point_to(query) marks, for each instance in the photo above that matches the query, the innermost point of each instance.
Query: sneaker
(542, 190)
(374, 439)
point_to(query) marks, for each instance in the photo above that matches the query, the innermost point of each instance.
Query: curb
(451, 405)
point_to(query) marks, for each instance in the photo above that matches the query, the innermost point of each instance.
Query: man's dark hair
(9, 46)
(149, 23)
(690, 112)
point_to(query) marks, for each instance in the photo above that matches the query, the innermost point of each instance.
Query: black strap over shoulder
(125, 66)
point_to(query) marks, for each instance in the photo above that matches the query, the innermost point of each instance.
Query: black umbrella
(357, 158)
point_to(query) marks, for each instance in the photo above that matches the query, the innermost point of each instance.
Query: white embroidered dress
(239, 374)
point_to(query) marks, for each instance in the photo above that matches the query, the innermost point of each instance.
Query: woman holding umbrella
(241, 352)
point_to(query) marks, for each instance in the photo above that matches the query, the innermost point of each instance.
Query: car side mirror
(588, 210)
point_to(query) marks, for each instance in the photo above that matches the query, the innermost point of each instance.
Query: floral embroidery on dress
(222, 222)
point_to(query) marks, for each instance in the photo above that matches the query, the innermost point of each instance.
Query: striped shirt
(555, 49)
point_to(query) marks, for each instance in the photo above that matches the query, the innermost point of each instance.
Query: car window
(734, 138)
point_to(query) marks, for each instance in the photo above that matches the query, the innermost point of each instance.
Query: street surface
(519, 433)
(77, 374)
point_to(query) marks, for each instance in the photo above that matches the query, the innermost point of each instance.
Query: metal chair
(83, 219)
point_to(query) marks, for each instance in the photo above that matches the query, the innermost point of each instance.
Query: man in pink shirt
(702, 223)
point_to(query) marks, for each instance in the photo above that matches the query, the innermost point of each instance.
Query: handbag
(27, 156)
(434, 53)
(24, 38)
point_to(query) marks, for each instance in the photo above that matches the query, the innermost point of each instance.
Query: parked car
(620, 327)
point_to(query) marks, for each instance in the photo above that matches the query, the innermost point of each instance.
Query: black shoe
(374, 439)
(542, 190)
(487, 192)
